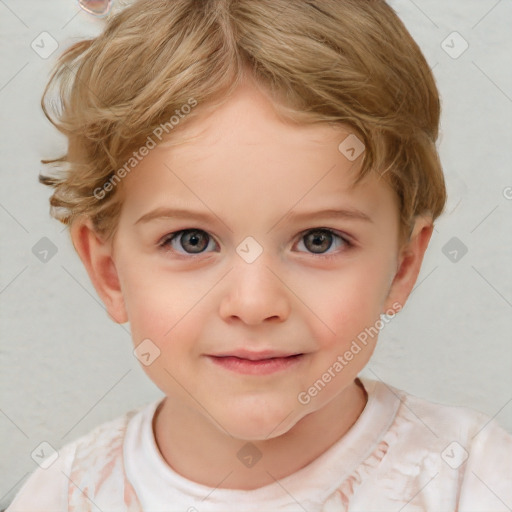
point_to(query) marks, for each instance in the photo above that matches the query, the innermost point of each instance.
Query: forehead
(244, 155)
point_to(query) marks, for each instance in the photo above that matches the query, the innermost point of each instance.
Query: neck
(200, 452)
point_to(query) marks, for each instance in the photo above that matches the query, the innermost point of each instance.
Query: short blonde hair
(348, 62)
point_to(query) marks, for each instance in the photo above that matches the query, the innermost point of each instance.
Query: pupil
(194, 239)
(321, 241)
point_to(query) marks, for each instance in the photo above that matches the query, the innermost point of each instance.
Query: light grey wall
(66, 367)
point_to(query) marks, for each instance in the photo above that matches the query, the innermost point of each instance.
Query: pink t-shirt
(402, 453)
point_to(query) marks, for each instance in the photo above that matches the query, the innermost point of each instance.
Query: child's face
(248, 175)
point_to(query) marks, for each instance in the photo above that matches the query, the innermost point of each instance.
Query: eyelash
(165, 241)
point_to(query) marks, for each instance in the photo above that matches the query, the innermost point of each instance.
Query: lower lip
(260, 367)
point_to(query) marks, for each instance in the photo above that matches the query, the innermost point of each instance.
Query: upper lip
(255, 356)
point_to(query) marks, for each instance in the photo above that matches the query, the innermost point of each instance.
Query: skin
(249, 170)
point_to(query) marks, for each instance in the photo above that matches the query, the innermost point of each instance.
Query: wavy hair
(333, 61)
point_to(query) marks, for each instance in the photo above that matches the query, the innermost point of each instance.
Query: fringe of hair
(343, 61)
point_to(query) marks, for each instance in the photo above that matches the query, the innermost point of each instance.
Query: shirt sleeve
(46, 490)
(487, 483)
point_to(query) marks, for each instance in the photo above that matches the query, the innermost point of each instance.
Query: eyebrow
(173, 213)
(180, 213)
(343, 213)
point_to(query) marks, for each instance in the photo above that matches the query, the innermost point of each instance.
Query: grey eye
(194, 241)
(318, 241)
(188, 241)
(323, 241)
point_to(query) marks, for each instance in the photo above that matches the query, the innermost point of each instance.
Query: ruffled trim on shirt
(97, 469)
(340, 499)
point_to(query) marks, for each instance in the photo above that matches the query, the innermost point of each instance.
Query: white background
(66, 367)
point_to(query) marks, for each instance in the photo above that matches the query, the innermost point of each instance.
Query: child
(292, 145)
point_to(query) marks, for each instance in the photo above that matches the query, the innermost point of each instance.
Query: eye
(320, 240)
(194, 241)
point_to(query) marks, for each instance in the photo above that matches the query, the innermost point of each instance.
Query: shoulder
(466, 452)
(46, 487)
(51, 485)
(447, 421)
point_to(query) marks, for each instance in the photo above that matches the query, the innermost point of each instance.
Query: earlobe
(409, 264)
(96, 255)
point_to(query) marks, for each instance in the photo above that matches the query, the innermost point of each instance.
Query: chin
(248, 432)
(259, 423)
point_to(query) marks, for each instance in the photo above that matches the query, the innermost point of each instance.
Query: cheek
(153, 307)
(171, 322)
(168, 310)
(351, 301)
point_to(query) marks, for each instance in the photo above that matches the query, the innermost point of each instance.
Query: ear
(96, 255)
(410, 258)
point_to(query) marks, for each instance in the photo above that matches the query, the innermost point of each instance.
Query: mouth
(256, 363)
(256, 355)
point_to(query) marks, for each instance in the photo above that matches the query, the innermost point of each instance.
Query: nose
(254, 295)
